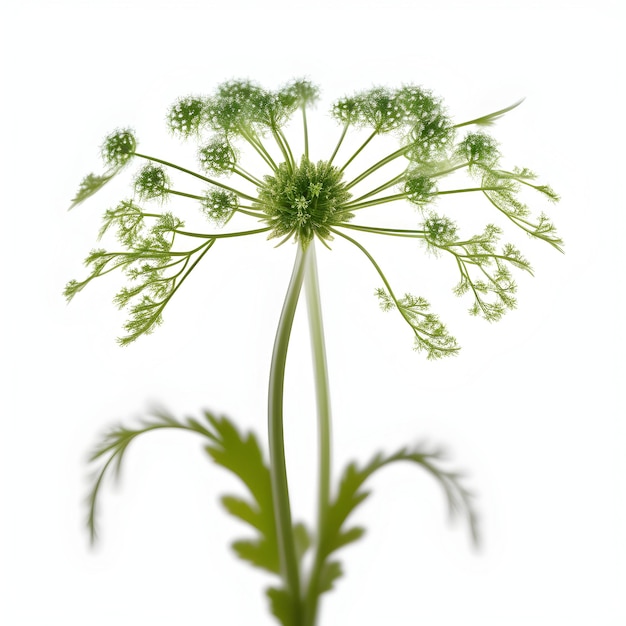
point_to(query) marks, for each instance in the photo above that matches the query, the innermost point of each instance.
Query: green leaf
(258, 552)
(351, 494)
(111, 450)
(501, 188)
(282, 606)
(241, 454)
(90, 185)
(431, 335)
(484, 271)
(302, 539)
(243, 510)
(331, 571)
(491, 118)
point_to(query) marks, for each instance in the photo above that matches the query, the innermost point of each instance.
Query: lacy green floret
(420, 189)
(418, 104)
(185, 117)
(304, 202)
(430, 138)
(385, 110)
(346, 110)
(440, 230)
(478, 149)
(218, 156)
(299, 93)
(152, 182)
(237, 106)
(118, 148)
(219, 205)
(381, 110)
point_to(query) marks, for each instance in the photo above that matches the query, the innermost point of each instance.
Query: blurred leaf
(91, 184)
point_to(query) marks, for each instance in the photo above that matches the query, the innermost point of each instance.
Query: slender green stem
(306, 132)
(316, 331)
(487, 120)
(341, 138)
(283, 148)
(286, 143)
(195, 174)
(354, 156)
(401, 310)
(247, 176)
(378, 165)
(395, 232)
(242, 233)
(468, 189)
(394, 181)
(184, 194)
(353, 206)
(255, 142)
(278, 469)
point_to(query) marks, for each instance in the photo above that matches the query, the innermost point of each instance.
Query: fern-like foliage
(91, 184)
(153, 269)
(110, 452)
(242, 456)
(431, 335)
(236, 452)
(484, 269)
(337, 533)
(501, 189)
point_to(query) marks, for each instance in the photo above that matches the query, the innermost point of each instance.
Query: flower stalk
(322, 394)
(278, 468)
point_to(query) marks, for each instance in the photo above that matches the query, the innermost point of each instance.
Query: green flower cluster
(304, 202)
(304, 199)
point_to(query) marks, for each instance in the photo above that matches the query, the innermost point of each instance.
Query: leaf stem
(278, 469)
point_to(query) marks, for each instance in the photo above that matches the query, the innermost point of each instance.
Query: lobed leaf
(111, 450)
(91, 184)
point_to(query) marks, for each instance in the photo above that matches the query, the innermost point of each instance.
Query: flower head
(294, 197)
(152, 182)
(304, 202)
(118, 147)
(218, 156)
(185, 116)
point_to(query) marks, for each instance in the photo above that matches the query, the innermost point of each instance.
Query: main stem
(305, 270)
(278, 470)
(318, 348)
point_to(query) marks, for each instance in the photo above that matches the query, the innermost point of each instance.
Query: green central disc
(304, 201)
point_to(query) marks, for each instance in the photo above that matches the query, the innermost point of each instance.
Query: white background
(530, 408)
